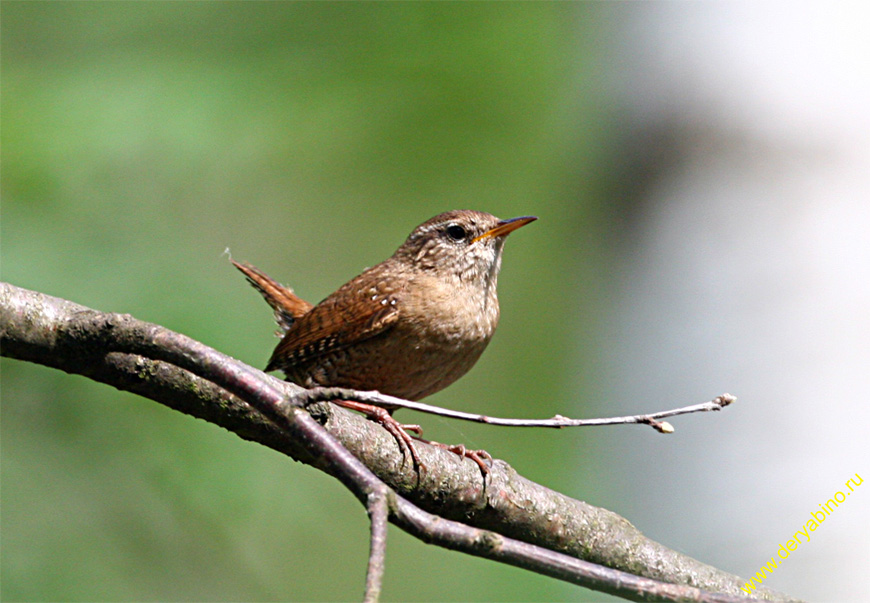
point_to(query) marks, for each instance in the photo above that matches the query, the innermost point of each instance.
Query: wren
(407, 327)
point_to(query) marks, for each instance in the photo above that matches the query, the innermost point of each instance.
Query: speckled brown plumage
(409, 326)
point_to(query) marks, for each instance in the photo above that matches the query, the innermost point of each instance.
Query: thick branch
(536, 528)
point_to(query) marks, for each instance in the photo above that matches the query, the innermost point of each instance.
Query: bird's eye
(456, 232)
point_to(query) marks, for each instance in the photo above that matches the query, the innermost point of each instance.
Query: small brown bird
(407, 327)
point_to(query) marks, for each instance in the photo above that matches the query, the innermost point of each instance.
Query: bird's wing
(348, 316)
(286, 304)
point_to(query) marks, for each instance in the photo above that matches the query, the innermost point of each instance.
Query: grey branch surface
(507, 518)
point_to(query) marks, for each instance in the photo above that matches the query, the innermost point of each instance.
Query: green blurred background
(700, 171)
(141, 140)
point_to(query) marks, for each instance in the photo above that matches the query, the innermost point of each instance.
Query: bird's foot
(398, 430)
(406, 442)
(481, 457)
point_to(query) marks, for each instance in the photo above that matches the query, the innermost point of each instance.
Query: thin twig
(325, 394)
(378, 509)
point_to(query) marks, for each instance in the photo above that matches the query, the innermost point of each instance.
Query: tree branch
(507, 518)
(378, 508)
(323, 394)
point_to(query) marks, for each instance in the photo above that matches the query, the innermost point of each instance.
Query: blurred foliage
(141, 140)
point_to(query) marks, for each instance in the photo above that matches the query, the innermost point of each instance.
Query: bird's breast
(448, 313)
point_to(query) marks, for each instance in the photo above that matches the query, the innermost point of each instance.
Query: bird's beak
(505, 227)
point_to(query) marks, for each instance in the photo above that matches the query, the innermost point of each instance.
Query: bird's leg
(481, 457)
(381, 415)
